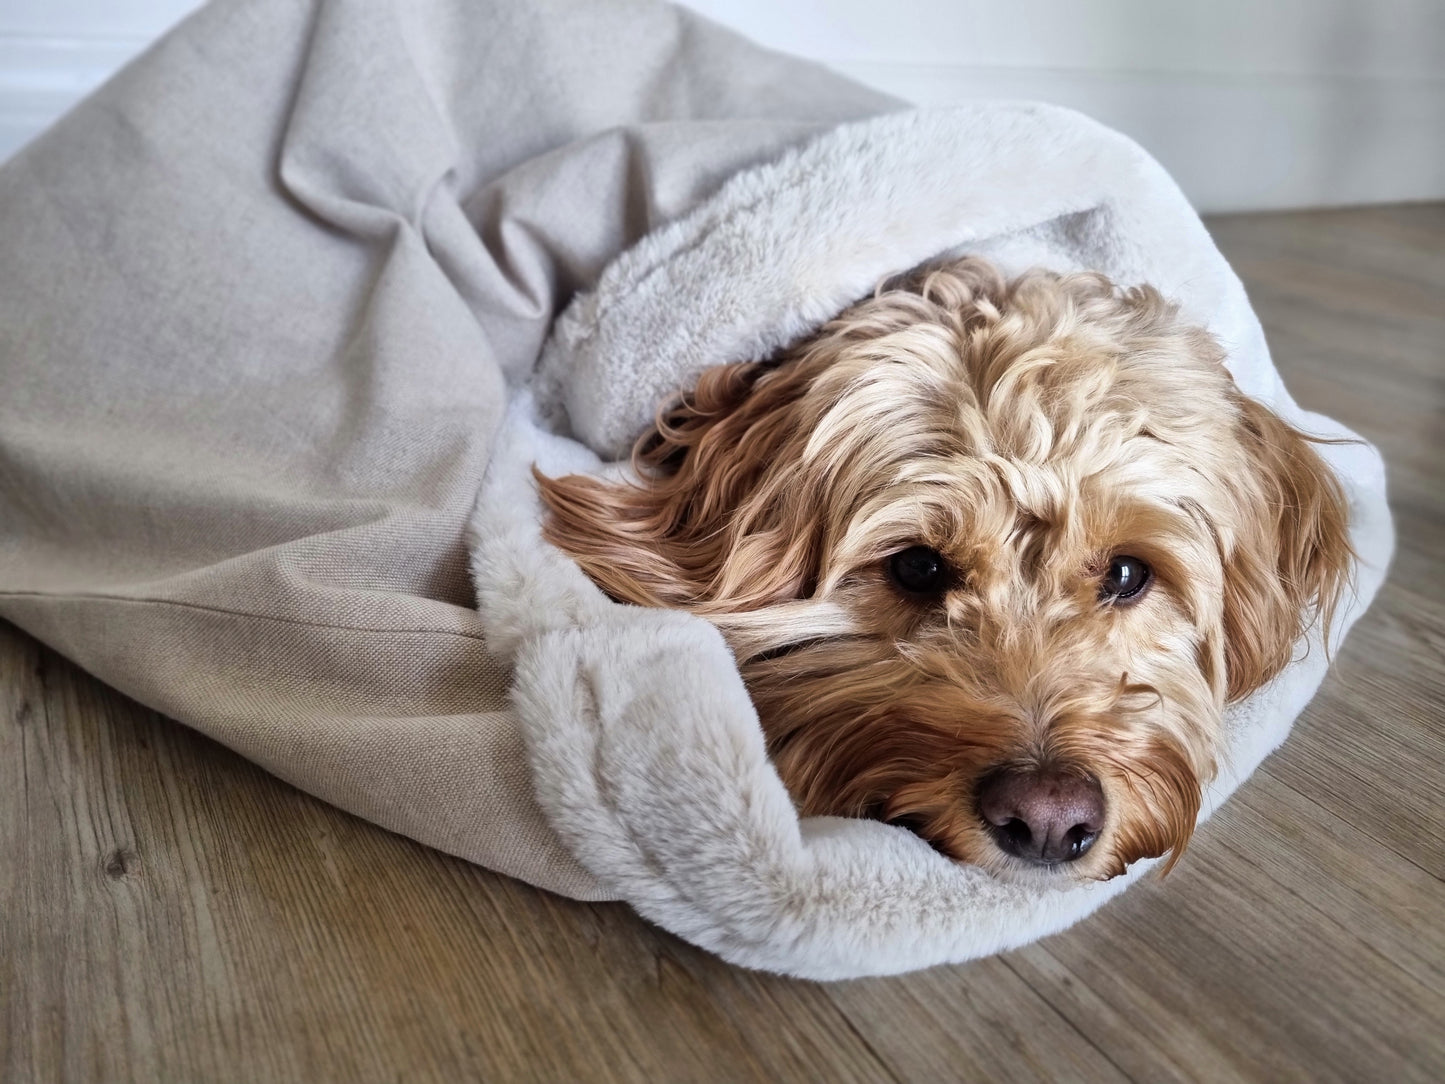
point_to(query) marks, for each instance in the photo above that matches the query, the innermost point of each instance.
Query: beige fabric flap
(260, 300)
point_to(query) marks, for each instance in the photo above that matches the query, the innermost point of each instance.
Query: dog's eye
(1125, 581)
(919, 570)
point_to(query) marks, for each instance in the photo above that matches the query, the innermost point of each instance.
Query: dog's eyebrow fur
(1196, 512)
(1200, 516)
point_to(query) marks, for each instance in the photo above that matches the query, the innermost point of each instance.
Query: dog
(992, 554)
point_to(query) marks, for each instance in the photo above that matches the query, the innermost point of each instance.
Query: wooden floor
(168, 912)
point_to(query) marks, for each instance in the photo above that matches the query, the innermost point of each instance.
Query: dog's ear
(714, 520)
(1292, 557)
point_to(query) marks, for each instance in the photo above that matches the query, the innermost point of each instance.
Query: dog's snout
(1043, 815)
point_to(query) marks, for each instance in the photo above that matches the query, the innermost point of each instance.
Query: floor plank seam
(1264, 769)
(878, 1059)
(1042, 996)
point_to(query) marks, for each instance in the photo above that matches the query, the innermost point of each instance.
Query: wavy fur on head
(1028, 431)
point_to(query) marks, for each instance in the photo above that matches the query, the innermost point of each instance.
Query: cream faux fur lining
(647, 755)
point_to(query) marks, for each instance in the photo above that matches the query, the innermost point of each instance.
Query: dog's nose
(1042, 815)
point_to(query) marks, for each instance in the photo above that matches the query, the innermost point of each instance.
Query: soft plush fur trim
(647, 754)
(782, 248)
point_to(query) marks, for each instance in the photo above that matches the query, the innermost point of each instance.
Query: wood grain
(169, 912)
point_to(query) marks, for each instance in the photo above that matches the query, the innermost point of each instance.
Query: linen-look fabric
(260, 297)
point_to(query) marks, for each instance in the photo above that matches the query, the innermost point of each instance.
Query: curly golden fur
(1030, 433)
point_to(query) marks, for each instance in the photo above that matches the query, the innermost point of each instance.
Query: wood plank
(1287, 946)
(177, 914)
(977, 1022)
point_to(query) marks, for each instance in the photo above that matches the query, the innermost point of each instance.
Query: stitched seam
(239, 613)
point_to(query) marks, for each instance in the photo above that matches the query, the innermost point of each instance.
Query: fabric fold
(260, 299)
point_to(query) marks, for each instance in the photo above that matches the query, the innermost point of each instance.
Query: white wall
(1251, 103)
(52, 52)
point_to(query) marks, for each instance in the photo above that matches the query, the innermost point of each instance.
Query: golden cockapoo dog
(992, 555)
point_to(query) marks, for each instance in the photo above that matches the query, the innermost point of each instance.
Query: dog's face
(992, 556)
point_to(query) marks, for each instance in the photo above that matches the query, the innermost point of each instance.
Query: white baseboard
(1235, 142)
